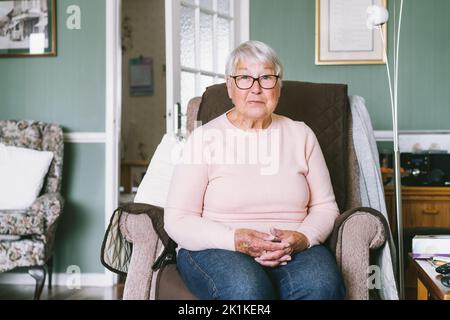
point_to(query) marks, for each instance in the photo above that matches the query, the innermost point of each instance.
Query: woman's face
(256, 102)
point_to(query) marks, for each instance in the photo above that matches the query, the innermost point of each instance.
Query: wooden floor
(26, 292)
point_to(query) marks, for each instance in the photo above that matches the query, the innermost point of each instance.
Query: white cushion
(22, 173)
(154, 188)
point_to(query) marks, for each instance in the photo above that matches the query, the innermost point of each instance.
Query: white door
(199, 36)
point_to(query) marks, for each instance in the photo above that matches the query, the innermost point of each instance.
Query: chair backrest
(38, 136)
(325, 109)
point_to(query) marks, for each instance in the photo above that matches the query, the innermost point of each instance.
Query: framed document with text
(342, 35)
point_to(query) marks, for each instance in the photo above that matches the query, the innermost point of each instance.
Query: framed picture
(342, 35)
(27, 28)
(141, 76)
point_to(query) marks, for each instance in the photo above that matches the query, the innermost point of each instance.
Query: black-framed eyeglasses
(267, 81)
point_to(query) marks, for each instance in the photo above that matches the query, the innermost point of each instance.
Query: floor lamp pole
(398, 178)
(394, 108)
(398, 206)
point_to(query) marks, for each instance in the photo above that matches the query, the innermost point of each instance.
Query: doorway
(143, 89)
(171, 51)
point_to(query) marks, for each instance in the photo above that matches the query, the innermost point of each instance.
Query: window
(199, 36)
(206, 39)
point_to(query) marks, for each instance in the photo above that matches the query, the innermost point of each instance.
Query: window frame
(240, 30)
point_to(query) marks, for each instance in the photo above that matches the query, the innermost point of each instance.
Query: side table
(429, 281)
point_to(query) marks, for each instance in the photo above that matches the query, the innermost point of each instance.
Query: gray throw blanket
(371, 187)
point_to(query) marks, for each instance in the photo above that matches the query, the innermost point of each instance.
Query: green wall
(424, 71)
(80, 232)
(69, 89)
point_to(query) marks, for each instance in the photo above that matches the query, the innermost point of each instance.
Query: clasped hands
(270, 249)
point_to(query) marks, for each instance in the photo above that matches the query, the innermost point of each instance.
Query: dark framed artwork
(27, 28)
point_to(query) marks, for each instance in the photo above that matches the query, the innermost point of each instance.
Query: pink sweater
(223, 184)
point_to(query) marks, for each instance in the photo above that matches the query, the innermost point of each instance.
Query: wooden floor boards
(25, 292)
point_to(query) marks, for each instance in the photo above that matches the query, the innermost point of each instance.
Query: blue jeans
(227, 275)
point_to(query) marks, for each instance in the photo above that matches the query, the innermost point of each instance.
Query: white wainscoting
(383, 135)
(85, 137)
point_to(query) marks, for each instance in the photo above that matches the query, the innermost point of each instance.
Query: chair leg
(38, 273)
(50, 272)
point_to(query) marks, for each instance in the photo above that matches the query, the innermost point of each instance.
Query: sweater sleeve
(183, 219)
(322, 207)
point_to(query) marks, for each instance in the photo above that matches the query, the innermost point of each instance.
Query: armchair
(359, 236)
(27, 236)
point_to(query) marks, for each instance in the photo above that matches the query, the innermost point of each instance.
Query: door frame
(113, 109)
(171, 9)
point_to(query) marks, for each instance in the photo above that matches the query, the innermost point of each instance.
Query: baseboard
(59, 279)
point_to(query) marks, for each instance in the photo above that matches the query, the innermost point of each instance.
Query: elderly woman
(246, 231)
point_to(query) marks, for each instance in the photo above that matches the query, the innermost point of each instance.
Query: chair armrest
(139, 229)
(156, 215)
(356, 232)
(50, 205)
(191, 113)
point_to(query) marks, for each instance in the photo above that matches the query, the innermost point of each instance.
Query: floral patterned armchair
(27, 236)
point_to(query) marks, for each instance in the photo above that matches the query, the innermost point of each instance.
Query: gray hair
(253, 51)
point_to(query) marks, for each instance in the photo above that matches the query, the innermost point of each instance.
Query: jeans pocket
(196, 278)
